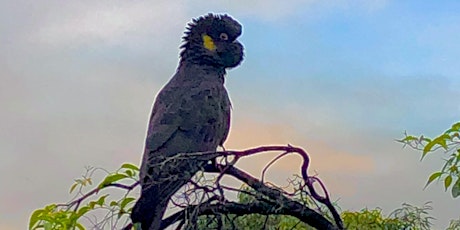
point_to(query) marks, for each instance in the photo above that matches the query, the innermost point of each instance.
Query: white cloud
(115, 22)
(273, 10)
(111, 22)
(266, 10)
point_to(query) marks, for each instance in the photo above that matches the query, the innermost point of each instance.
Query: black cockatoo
(190, 114)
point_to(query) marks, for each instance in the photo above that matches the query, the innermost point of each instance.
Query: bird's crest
(199, 30)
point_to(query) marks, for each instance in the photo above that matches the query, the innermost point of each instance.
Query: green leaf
(447, 182)
(101, 200)
(92, 204)
(441, 140)
(129, 166)
(126, 201)
(453, 169)
(456, 189)
(79, 226)
(50, 208)
(83, 210)
(433, 177)
(34, 218)
(455, 128)
(409, 138)
(448, 163)
(113, 203)
(426, 139)
(112, 178)
(73, 187)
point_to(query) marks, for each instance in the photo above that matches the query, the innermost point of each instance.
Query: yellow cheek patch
(208, 43)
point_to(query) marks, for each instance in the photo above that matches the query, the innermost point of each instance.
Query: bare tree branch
(276, 199)
(297, 210)
(204, 196)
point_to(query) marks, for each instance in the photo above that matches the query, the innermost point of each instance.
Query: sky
(342, 79)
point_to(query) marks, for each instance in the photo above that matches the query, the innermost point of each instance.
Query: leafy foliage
(454, 225)
(406, 217)
(71, 215)
(449, 143)
(415, 217)
(51, 217)
(115, 209)
(371, 219)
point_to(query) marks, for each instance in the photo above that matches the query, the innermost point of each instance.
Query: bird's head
(211, 40)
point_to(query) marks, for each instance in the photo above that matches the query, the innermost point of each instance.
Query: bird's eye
(223, 36)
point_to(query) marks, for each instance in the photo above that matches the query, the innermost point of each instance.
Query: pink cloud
(332, 164)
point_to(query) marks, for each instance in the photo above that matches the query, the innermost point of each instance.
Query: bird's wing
(201, 112)
(164, 121)
(227, 107)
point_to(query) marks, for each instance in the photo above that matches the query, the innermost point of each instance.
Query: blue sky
(342, 79)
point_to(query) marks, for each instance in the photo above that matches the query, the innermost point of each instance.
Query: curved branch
(295, 208)
(256, 207)
(309, 181)
(96, 190)
(212, 201)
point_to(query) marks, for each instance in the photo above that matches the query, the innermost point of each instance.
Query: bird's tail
(149, 208)
(152, 203)
(154, 199)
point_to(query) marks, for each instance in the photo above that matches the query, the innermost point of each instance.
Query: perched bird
(191, 114)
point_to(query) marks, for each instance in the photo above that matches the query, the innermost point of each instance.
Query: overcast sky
(341, 78)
